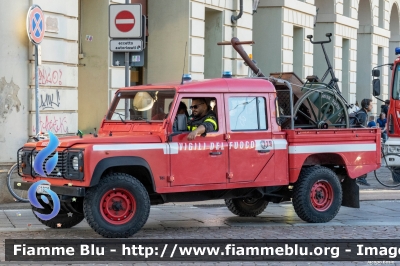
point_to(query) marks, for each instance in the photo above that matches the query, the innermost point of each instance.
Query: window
(185, 104)
(347, 8)
(396, 85)
(143, 105)
(381, 13)
(247, 113)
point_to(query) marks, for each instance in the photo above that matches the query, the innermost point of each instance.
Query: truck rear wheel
(246, 207)
(118, 206)
(63, 219)
(317, 195)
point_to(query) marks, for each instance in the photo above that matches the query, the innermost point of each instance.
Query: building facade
(78, 80)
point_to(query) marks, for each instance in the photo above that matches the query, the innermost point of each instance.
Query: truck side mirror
(376, 73)
(376, 87)
(181, 120)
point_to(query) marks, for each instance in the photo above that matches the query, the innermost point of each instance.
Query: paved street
(164, 218)
(374, 220)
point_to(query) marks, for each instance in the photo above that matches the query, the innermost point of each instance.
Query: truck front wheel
(246, 207)
(317, 195)
(118, 206)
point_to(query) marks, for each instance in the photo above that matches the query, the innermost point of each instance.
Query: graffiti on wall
(49, 76)
(49, 100)
(57, 125)
(8, 98)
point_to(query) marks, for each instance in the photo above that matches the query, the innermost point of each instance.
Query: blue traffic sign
(35, 24)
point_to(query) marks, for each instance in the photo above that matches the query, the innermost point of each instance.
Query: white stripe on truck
(332, 148)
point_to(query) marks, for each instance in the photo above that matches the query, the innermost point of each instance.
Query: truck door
(250, 141)
(203, 160)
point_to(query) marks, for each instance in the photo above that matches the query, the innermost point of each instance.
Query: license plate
(41, 189)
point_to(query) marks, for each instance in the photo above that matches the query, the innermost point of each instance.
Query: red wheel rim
(118, 206)
(321, 195)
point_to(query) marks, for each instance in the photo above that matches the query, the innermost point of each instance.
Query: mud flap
(351, 193)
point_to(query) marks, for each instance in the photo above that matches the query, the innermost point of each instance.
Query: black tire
(246, 207)
(325, 204)
(134, 204)
(12, 175)
(396, 174)
(62, 220)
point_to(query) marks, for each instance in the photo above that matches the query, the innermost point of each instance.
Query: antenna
(184, 63)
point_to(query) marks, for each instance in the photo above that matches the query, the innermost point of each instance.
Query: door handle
(263, 151)
(216, 153)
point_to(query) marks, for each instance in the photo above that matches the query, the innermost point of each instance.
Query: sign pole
(125, 32)
(35, 27)
(127, 81)
(37, 87)
(127, 77)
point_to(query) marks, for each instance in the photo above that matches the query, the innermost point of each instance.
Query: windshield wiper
(143, 119)
(120, 117)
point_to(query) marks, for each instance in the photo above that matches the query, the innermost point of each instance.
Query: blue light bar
(187, 77)
(227, 74)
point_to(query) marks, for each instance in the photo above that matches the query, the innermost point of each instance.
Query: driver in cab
(202, 120)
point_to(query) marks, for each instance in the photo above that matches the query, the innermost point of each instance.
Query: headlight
(30, 158)
(75, 163)
(73, 168)
(393, 149)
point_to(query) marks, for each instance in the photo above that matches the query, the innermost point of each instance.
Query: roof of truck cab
(213, 85)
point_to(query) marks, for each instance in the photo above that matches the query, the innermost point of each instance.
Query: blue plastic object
(227, 74)
(187, 78)
(397, 50)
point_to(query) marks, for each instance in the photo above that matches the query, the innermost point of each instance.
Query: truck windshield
(143, 105)
(396, 84)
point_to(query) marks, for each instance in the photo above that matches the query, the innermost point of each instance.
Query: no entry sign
(125, 21)
(35, 24)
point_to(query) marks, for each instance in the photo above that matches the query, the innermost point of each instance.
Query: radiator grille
(60, 169)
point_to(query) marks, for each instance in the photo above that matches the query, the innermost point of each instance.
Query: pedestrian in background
(382, 124)
(356, 107)
(371, 122)
(385, 107)
(362, 116)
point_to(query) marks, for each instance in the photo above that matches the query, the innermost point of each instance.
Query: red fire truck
(391, 148)
(257, 155)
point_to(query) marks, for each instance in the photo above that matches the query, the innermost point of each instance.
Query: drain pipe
(235, 18)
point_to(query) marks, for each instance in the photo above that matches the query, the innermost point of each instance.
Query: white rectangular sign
(125, 21)
(126, 45)
(41, 189)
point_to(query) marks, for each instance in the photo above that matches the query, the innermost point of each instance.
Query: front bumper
(59, 190)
